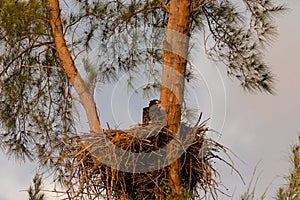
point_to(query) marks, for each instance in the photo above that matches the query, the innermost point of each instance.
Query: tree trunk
(70, 69)
(172, 88)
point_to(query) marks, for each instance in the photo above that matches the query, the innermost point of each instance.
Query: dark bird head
(154, 102)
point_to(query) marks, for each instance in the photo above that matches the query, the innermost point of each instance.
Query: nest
(134, 164)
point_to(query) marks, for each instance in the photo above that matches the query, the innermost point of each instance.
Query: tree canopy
(55, 52)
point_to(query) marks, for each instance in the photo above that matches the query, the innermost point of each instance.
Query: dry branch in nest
(128, 164)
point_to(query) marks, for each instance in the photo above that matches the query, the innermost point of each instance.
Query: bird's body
(153, 113)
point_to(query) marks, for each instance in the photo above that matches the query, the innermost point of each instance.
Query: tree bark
(70, 69)
(172, 88)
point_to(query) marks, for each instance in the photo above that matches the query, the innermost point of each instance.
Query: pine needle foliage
(108, 39)
(236, 33)
(35, 191)
(35, 98)
(238, 38)
(291, 191)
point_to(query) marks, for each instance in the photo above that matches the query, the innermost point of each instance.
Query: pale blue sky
(257, 127)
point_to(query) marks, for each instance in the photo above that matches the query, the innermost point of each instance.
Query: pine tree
(34, 192)
(291, 191)
(42, 45)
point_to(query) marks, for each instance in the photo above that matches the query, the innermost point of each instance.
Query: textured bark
(70, 68)
(171, 94)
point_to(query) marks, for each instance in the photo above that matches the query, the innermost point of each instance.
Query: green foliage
(237, 38)
(291, 191)
(130, 34)
(23, 18)
(34, 112)
(34, 192)
(117, 37)
(120, 38)
(109, 39)
(35, 100)
(164, 184)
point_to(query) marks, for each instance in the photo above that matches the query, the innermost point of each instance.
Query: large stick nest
(96, 165)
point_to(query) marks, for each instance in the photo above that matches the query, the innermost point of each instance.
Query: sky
(258, 128)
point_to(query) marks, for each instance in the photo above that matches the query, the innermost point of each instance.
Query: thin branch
(166, 8)
(201, 4)
(41, 66)
(23, 52)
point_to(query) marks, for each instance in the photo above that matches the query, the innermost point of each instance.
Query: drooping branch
(70, 68)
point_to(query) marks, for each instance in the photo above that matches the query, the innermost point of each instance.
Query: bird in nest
(154, 113)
